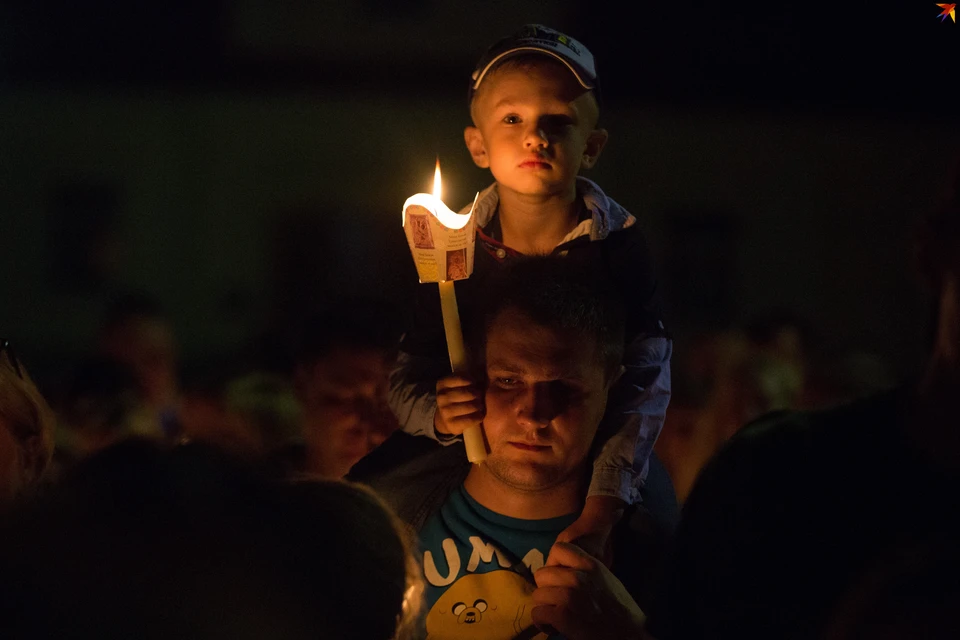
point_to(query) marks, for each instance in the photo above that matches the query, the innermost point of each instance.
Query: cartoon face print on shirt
(493, 606)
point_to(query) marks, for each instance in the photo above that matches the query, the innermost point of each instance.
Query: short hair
(561, 294)
(299, 339)
(354, 323)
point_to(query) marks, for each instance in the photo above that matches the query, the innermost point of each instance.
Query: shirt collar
(605, 216)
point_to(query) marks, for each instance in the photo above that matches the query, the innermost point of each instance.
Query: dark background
(238, 158)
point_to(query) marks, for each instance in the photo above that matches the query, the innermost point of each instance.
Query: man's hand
(459, 405)
(591, 531)
(581, 599)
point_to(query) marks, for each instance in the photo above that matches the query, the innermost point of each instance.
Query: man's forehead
(516, 343)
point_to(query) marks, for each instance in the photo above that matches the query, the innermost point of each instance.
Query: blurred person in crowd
(779, 341)
(717, 391)
(726, 379)
(255, 414)
(26, 429)
(100, 404)
(186, 542)
(136, 333)
(341, 365)
(800, 506)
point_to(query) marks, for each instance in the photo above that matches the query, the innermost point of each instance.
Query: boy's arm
(635, 413)
(422, 360)
(413, 394)
(634, 417)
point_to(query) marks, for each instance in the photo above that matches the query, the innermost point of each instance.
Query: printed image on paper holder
(441, 241)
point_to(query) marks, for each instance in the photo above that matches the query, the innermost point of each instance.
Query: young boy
(534, 102)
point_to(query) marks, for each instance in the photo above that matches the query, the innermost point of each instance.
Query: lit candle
(442, 244)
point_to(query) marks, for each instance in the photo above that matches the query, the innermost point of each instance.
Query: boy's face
(534, 128)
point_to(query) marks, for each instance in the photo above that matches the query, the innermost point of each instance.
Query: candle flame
(436, 181)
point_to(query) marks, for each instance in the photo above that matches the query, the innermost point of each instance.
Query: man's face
(546, 394)
(346, 415)
(535, 127)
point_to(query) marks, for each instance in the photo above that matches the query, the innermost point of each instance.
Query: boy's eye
(556, 122)
(511, 119)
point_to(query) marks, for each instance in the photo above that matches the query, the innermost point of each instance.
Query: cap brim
(577, 73)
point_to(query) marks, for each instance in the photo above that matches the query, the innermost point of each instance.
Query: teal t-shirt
(478, 569)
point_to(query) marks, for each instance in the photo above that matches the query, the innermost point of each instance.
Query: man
(794, 526)
(136, 334)
(550, 350)
(340, 373)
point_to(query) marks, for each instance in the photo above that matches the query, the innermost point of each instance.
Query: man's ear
(596, 141)
(474, 140)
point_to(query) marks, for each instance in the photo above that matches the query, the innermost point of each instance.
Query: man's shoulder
(404, 455)
(413, 474)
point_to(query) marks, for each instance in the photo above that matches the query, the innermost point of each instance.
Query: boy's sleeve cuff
(430, 429)
(446, 438)
(617, 483)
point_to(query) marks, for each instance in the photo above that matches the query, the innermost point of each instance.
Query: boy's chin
(539, 188)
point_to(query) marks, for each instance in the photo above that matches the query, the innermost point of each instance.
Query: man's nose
(536, 405)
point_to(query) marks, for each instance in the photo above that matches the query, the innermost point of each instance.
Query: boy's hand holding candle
(459, 405)
(442, 244)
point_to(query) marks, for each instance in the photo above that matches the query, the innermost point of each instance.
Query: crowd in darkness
(315, 483)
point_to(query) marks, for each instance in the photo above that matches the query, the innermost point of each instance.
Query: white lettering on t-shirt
(484, 552)
(533, 560)
(453, 563)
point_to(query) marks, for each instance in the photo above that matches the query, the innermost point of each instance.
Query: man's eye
(507, 383)
(511, 119)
